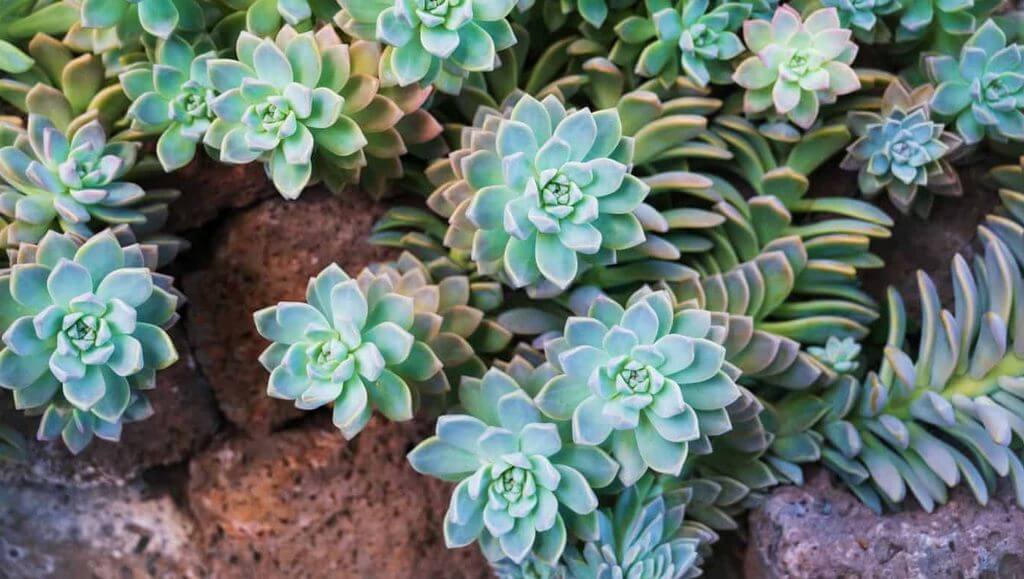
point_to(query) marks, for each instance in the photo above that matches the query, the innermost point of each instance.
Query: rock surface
(185, 420)
(820, 530)
(209, 188)
(262, 256)
(72, 533)
(307, 503)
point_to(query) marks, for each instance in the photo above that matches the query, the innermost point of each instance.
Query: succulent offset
(983, 90)
(797, 65)
(435, 42)
(85, 334)
(542, 192)
(351, 345)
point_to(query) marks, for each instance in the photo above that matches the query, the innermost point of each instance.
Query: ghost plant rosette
(71, 181)
(547, 192)
(173, 97)
(521, 488)
(902, 151)
(85, 334)
(435, 42)
(688, 34)
(353, 345)
(984, 90)
(638, 380)
(797, 65)
(285, 105)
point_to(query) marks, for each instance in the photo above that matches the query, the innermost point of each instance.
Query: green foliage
(85, 334)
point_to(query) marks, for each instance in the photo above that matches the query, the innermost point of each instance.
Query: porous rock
(261, 256)
(184, 420)
(821, 530)
(306, 503)
(84, 533)
(209, 189)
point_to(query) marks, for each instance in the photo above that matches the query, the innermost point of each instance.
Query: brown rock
(79, 533)
(209, 188)
(306, 503)
(821, 530)
(262, 256)
(185, 420)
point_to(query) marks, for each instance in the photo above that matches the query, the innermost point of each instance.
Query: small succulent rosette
(172, 98)
(118, 24)
(840, 354)
(353, 344)
(798, 65)
(294, 104)
(436, 42)
(640, 380)
(74, 182)
(85, 334)
(983, 90)
(522, 488)
(687, 34)
(542, 193)
(266, 17)
(638, 536)
(902, 151)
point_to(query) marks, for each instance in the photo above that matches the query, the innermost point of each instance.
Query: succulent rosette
(641, 539)
(84, 334)
(71, 181)
(688, 34)
(797, 65)
(266, 17)
(840, 354)
(902, 151)
(547, 193)
(435, 42)
(285, 104)
(352, 344)
(172, 98)
(984, 89)
(866, 17)
(637, 380)
(518, 480)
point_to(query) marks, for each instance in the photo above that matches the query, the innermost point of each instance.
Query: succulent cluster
(619, 291)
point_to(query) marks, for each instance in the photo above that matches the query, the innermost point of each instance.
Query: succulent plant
(866, 17)
(839, 354)
(760, 9)
(948, 414)
(687, 34)
(70, 90)
(298, 104)
(542, 193)
(432, 41)
(172, 98)
(902, 151)
(639, 379)
(521, 487)
(352, 344)
(20, 21)
(941, 26)
(984, 90)
(117, 23)
(797, 64)
(84, 334)
(73, 180)
(643, 535)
